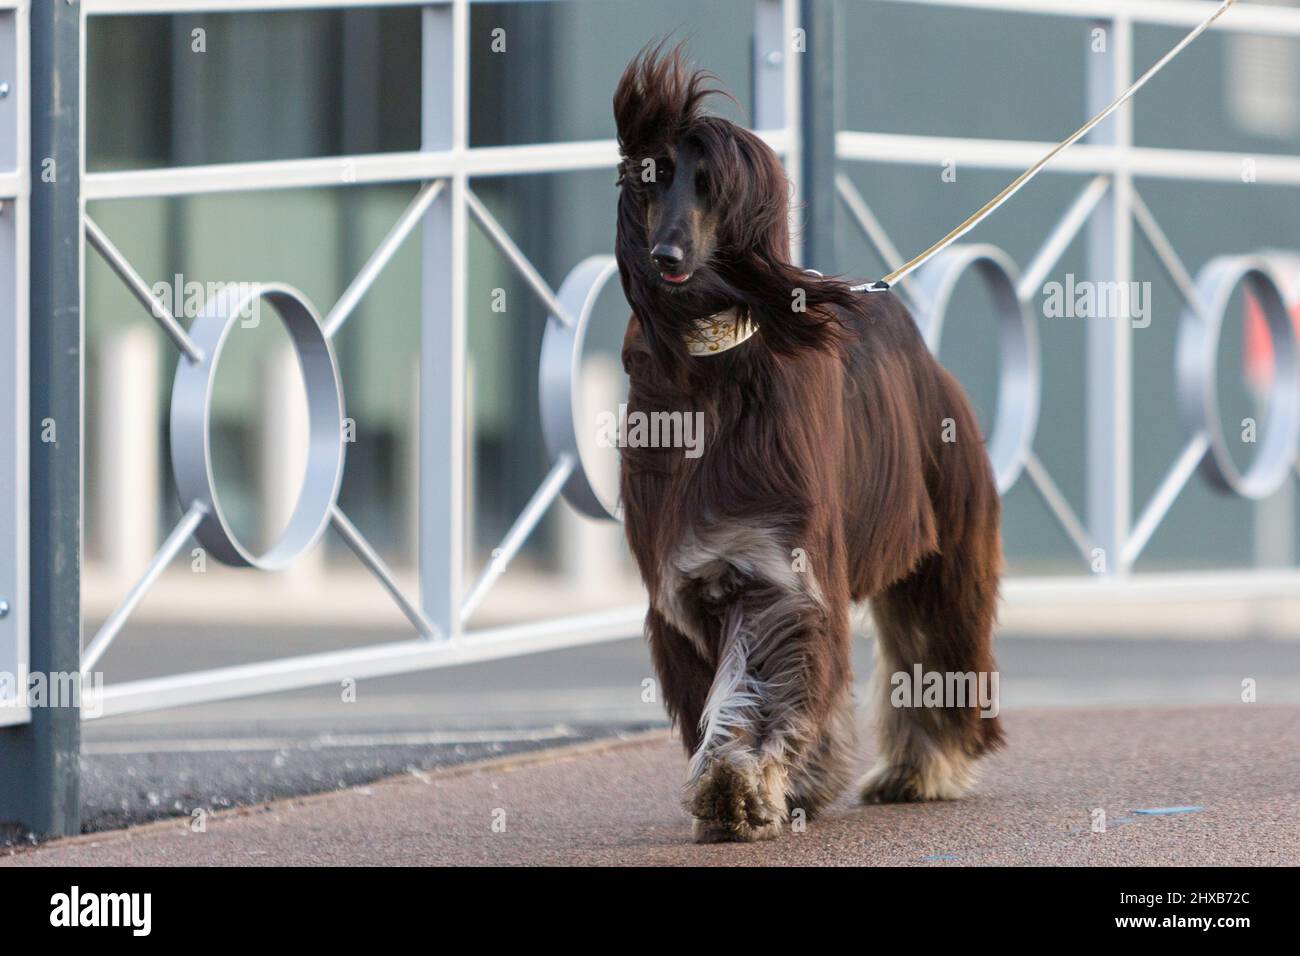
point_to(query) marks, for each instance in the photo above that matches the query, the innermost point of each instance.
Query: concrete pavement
(1230, 773)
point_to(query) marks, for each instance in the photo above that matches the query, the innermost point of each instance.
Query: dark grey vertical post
(40, 761)
(818, 121)
(361, 119)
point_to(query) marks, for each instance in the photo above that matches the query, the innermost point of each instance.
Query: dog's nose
(666, 257)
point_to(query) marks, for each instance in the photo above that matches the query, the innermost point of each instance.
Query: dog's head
(681, 177)
(703, 216)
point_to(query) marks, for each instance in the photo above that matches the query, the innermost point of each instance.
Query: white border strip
(1197, 165)
(1181, 586)
(374, 168)
(384, 660)
(337, 171)
(1245, 18)
(154, 7)
(15, 191)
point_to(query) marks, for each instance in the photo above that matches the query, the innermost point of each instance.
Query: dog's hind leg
(935, 625)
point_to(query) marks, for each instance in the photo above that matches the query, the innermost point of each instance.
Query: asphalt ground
(1214, 784)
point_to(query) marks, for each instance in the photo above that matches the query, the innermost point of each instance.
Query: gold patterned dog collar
(720, 332)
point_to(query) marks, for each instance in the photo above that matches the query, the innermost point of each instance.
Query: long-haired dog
(826, 479)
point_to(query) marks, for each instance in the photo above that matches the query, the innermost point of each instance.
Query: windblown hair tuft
(659, 99)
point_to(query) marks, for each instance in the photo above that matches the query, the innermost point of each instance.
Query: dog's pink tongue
(678, 278)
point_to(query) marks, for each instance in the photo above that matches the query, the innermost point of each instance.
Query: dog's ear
(658, 99)
(796, 310)
(754, 192)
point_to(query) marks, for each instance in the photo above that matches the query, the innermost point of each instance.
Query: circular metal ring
(1199, 332)
(1019, 385)
(191, 424)
(558, 377)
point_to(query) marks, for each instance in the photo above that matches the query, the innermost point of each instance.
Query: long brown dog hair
(828, 477)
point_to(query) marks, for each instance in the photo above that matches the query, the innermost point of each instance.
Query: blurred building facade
(173, 90)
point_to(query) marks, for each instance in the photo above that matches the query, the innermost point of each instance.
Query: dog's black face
(674, 238)
(681, 225)
(703, 221)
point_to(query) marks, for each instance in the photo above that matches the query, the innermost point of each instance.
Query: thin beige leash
(996, 202)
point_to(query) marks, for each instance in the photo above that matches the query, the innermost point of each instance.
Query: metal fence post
(442, 330)
(40, 761)
(818, 121)
(1109, 341)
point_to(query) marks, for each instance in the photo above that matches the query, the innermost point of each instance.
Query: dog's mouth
(676, 279)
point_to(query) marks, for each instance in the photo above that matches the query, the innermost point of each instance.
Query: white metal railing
(1107, 206)
(444, 206)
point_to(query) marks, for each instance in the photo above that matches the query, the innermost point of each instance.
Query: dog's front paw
(736, 801)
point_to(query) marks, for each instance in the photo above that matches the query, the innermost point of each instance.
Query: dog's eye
(664, 171)
(701, 182)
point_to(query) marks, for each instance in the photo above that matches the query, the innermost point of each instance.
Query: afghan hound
(841, 463)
